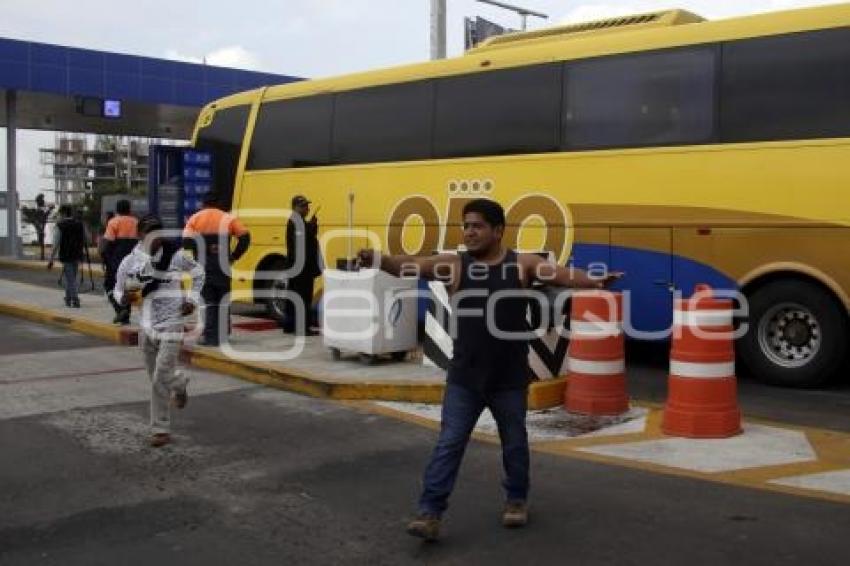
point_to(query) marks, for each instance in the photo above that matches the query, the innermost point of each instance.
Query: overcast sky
(308, 38)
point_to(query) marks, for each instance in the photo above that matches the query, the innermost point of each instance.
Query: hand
(369, 258)
(187, 308)
(610, 278)
(50, 265)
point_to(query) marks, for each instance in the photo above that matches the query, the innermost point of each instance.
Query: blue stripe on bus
(648, 274)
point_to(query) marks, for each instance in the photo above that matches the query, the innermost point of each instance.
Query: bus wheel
(797, 336)
(276, 303)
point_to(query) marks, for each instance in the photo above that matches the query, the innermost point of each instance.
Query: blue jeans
(461, 409)
(70, 270)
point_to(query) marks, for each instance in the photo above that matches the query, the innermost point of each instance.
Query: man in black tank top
(489, 368)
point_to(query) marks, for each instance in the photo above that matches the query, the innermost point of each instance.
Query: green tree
(38, 216)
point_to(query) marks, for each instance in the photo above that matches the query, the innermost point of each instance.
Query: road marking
(31, 387)
(758, 446)
(769, 456)
(837, 482)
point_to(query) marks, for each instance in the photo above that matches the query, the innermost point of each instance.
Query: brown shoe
(160, 439)
(425, 526)
(515, 514)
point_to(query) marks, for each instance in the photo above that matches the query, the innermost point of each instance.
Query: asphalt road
(259, 476)
(827, 407)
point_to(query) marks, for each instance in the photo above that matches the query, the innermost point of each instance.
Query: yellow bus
(678, 150)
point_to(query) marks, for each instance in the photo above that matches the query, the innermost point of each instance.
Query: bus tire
(797, 335)
(275, 308)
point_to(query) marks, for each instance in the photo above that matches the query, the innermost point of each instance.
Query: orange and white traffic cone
(597, 365)
(702, 397)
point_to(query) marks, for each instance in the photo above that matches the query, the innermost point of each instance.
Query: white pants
(162, 355)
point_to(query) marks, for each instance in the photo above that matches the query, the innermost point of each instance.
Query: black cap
(299, 200)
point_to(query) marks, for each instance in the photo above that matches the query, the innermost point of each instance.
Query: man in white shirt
(155, 269)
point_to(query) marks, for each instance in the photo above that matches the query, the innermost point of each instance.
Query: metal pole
(11, 171)
(350, 258)
(438, 29)
(129, 168)
(523, 12)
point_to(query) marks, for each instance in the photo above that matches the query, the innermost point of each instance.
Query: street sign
(478, 30)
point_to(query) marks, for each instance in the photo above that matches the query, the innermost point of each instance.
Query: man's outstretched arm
(443, 267)
(539, 269)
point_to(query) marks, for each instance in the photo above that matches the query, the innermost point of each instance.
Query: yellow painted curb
(542, 395)
(126, 336)
(547, 394)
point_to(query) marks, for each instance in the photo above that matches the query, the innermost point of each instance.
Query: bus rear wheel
(797, 336)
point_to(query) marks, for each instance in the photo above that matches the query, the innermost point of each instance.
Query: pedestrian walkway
(96, 269)
(264, 356)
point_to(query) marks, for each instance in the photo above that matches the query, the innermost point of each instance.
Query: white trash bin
(369, 312)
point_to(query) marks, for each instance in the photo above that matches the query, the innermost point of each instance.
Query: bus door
(644, 255)
(591, 248)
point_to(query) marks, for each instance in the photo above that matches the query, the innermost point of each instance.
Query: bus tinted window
(223, 138)
(386, 123)
(498, 112)
(787, 87)
(658, 98)
(292, 133)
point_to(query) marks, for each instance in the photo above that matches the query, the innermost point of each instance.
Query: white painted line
(837, 482)
(702, 371)
(597, 330)
(441, 293)
(596, 368)
(702, 319)
(758, 446)
(439, 335)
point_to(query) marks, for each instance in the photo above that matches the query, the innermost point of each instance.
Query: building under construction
(84, 165)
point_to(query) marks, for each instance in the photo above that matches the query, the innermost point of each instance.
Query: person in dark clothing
(119, 239)
(69, 239)
(215, 227)
(488, 368)
(302, 254)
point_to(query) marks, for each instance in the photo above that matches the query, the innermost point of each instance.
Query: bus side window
(648, 99)
(787, 87)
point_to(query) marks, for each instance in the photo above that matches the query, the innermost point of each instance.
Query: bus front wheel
(797, 336)
(278, 285)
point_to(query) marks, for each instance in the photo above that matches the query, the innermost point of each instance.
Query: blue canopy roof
(150, 87)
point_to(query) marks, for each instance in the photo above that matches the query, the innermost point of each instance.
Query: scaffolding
(83, 164)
